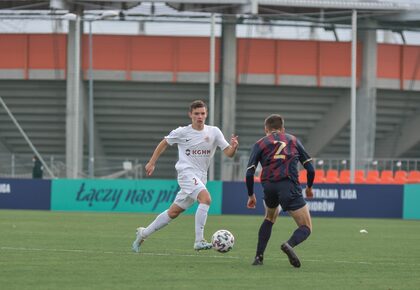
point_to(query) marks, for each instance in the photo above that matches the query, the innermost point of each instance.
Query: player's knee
(271, 218)
(173, 213)
(204, 199)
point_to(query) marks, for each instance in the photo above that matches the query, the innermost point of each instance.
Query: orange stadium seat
(344, 176)
(319, 176)
(400, 177)
(359, 176)
(413, 176)
(302, 176)
(387, 177)
(372, 177)
(331, 176)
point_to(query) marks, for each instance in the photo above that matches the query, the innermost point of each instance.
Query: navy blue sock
(263, 236)
(300, 234)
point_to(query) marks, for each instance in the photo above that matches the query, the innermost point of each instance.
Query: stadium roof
(389, 14)
(255, 5)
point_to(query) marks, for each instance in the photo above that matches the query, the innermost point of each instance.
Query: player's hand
(234, 141)
(309, 192)
(150, 167)
(252, 201)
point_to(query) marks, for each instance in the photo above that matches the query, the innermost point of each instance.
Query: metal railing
(239, 166)
(379, 164)
(20, 166)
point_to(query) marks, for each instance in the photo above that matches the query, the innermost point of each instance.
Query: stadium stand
(130, 107)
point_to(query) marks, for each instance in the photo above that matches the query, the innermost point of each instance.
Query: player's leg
(264, 233)
(302, 218)
(163, 219)
(159, 222)
(292, 201)
(204, 201)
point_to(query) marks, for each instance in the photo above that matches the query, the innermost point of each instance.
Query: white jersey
(196, 148)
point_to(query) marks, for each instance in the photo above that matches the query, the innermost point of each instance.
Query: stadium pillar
(74, 103)
(366, 96)
(228, 87)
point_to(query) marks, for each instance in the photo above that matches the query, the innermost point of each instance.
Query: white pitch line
(114, 253)
(220, 256)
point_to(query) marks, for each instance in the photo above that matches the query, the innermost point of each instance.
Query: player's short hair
(197, 104)
(274, 122)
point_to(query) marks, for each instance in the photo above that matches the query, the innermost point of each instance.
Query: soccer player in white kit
(197, 144)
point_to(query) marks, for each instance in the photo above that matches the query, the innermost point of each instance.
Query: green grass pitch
(73, 250)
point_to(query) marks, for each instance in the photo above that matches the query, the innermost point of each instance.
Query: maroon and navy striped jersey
(279, 154)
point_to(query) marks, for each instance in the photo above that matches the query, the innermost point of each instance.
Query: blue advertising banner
(330, 200)
(147, 196)
(25, 194)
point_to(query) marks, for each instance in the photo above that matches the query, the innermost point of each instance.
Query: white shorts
(191, 185)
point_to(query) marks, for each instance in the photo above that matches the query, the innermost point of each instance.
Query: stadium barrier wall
(146, 196)
(330, 200)
(411, 201)
(172, 58)
(25, 194)
(154, 196)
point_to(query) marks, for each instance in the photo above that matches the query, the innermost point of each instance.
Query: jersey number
(281, 147)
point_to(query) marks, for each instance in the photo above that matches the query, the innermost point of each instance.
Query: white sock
(200, 221)
(160, 221)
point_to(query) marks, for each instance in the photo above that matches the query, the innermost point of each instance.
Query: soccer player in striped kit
(279, 153)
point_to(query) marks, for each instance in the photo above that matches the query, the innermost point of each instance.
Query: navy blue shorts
(286, 192)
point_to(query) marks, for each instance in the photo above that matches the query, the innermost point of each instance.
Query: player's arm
(252, 201)
(310, 175)
(233, 146)
(254, 159)
(306, 161)
(160, 148)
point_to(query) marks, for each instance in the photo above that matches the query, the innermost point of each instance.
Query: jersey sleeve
(220, 139)
(303, 155)
(254, 158)
(174, 136)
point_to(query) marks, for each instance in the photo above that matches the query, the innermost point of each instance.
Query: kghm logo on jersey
(198, 152)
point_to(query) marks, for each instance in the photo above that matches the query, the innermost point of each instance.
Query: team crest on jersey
(207, 139)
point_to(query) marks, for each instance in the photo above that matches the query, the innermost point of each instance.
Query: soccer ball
(222, 241)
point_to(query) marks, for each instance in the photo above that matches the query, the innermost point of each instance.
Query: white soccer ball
(222, 241)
